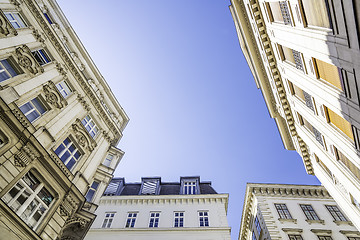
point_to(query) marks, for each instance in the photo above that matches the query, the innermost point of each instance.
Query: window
(178, 219)
(349, 165)
(324, 238)
(295, 237)
(91, 192)
(41, 56)
(130, 222)
(309, 212)
(154, 219)
(15, 19)
(302, 95)
(253, 236)
(64, 89)
(108, 160)
(291, 56)
(113, 187)
(257, 224)
(48, 18)
(327, 170)
(109, 217)
(328, 72)
(149, 186)
(189, 187)
(204, 218)
(29, 199)
(279, 12)
(90, 126)
(343, 125)
(316, 13)
(68, 153)
(33, 109)
(8, 69)
(312, 129)
(283, 211)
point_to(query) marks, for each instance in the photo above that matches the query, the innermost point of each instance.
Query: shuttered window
(288, 54)
(342, 158)
(276, 12)
(339, 122)
(328, 72)
(316, 13)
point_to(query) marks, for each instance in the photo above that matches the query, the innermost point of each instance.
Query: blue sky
(177, 69)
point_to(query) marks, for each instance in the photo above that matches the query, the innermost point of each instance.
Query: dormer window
(150, 186)
(190, 186)
(114, 187)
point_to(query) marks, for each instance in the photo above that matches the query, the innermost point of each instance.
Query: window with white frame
(29, 199)
(33, 109)
(283, 211)
(295, 237)
(109, 217)
(68, 153)
(108, 160)
(41, 56)
(8, 69)
(336, 213)
(15, 19)
(90, 126)
(204, 218)
(189, 187)
(324, 238)
(178, 219)
(131, 218)
(309, 212)
(92, 190)
(63, 88)
(154, 219)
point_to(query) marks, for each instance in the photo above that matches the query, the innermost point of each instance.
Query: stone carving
(53, 96)
(20, 116)
(27, 60)
(83, 102)
(106, 135)
(25, 155)
(38, 36)
(81, 221)
(5, 26)
(60, 164)
(14, 2)
(68, 206)
(60, 69)
(83, 138)
(77, 61)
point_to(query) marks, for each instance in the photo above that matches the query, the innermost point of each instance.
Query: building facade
(153, 209)
(304, 55)
(59, 125)
(294, 212)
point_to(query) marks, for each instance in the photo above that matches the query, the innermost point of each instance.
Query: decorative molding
(20, 117)
(5, 26)
(60, 69)
(27, 60)
(78, 75)
(321, 231)
(68, 205)
(292, 230)
(83, 138)
(291, 190)
(15, 2)
(81, 221)
(107, 136)
(53, 96)
(60, 164)
(26, 155)
(83, 102)
(311, 221)
(38, 36)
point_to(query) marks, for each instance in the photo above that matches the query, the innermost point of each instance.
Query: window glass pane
(328, 72)
(38, 105)
(45, 196)
(316, 13)
(31, 181)
(71, 163)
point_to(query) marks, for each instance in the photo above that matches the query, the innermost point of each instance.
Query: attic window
(112, 188)
(149, 187)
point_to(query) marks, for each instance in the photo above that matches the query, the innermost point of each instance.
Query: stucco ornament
(27, 60)
(5, 26)
(25, 155)
(53, 96)
(83, 138)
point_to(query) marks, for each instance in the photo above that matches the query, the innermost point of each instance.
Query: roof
(154, 186)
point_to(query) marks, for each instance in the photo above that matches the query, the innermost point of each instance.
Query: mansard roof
(118, 187)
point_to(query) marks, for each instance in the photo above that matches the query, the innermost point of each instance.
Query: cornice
(172, 229)
(73, 68)
(275, 74)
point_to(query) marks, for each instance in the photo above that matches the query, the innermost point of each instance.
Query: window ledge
(343, 223)
(315, 221)
(286, 220)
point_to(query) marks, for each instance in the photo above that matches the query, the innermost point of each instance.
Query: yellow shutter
(299, 92)
(288, 54)
(328, 72)
(348, 164)
(316, 13)
(340, 123)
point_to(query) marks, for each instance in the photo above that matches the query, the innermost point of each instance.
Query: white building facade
(59, 125)
(293, 212)
(153, 209)
(305, 57)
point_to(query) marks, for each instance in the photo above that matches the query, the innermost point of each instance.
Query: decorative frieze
(26, 60)
(38, 36)
(82, 136)
(26, 155)
(53, 96)
(83, 102)
(5, 26)
(60, 164)
(20, 117)
(68, 205)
